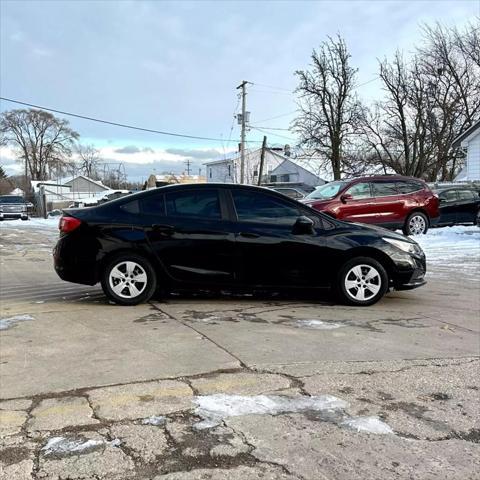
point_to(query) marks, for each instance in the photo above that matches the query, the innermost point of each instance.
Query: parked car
(13, 206)
(290, 192)
(227, 236)
(389, 201)
(458, 205)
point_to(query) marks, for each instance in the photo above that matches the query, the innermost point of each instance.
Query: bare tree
(329, 108)
(43, 141)
(429, 100)
(89, 160)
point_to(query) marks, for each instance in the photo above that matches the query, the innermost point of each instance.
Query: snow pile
(62, 445)
(154, 420)
(317, 324)
(452, 248)
(213, 409)
(367, 424)
(6, 323)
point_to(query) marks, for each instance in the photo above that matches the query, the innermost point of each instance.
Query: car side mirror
(303, 226)
(346, 197)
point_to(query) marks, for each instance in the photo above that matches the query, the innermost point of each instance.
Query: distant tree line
(430, 97)
(48, 149)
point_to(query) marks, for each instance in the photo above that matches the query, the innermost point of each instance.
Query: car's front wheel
(416, 224)
(129, 279)
(362, 281)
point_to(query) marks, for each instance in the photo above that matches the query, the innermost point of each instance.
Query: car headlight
(405, 246)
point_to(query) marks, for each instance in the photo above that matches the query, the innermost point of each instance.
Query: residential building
(278, 169)
(82, 185)
(470, 140)
(155, 181)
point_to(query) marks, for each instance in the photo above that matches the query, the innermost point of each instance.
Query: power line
(278, 116)
(116, 124)
(272, 87)
(274, 134)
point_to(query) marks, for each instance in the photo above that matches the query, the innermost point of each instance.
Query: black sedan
(458, 206)
(227, 236)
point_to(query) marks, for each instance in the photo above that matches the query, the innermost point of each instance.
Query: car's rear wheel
(416, 224)
(129, 279)
(362, 281)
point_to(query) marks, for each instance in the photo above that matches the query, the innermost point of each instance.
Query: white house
(82, 184)
(470, 140)
(278, 169)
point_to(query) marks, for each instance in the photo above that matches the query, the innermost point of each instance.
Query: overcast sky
(175, 66)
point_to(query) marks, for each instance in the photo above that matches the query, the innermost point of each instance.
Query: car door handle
(249, 235)
(164, 228)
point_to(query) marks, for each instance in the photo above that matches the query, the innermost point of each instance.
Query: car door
(361, 206)
(269, 251)
(190, 233)
(389, 204)
(448, 207)
(467, 206)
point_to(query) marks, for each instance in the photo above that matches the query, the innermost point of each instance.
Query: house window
(210, 172)
(285, 178)
(229, 170)
(273, 178)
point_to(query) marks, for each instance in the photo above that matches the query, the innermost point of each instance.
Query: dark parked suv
(226, 236)
(388, 201)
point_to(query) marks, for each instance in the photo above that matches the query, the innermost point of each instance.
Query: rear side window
(409, 187)
(154, 205)
(466, 195)
(194, 203)
(131, 207)
(360, 190)
(258, 207)
(384, 189)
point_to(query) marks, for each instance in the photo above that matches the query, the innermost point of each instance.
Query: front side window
(194, 203)
(258, 207)
(466, 195)
(384, 189)
(359, 191)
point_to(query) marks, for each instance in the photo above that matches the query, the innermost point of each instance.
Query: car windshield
(329, 190)
(11, 199)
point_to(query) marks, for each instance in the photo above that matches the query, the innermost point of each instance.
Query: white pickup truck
(13, 206)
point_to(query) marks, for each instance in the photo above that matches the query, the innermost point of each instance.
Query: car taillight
(68, 224)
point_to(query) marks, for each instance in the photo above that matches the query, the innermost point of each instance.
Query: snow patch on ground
(317, 324)
(64, 445)
(6, 323)
(33, 223)
(452, 248)
(154, 420)
(368, 424)
(213, 409)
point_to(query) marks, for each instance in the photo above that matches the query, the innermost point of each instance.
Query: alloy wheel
(128, 279)
(363, 282)
(417, 225)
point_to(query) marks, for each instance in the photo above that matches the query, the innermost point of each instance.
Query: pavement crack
(203, 335)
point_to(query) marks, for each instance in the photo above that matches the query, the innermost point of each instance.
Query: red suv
(389, 201)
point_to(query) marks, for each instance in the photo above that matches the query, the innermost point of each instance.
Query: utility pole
(243, 87)
(262, 159)
(187, 162)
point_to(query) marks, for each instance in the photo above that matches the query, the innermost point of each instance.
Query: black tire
(478, 219)
(347, 296)
(414, 223)
(127, 296)
(25, 218)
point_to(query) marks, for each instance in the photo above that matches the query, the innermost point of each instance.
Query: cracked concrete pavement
(89, 390)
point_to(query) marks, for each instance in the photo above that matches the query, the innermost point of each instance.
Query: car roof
(382, 177)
